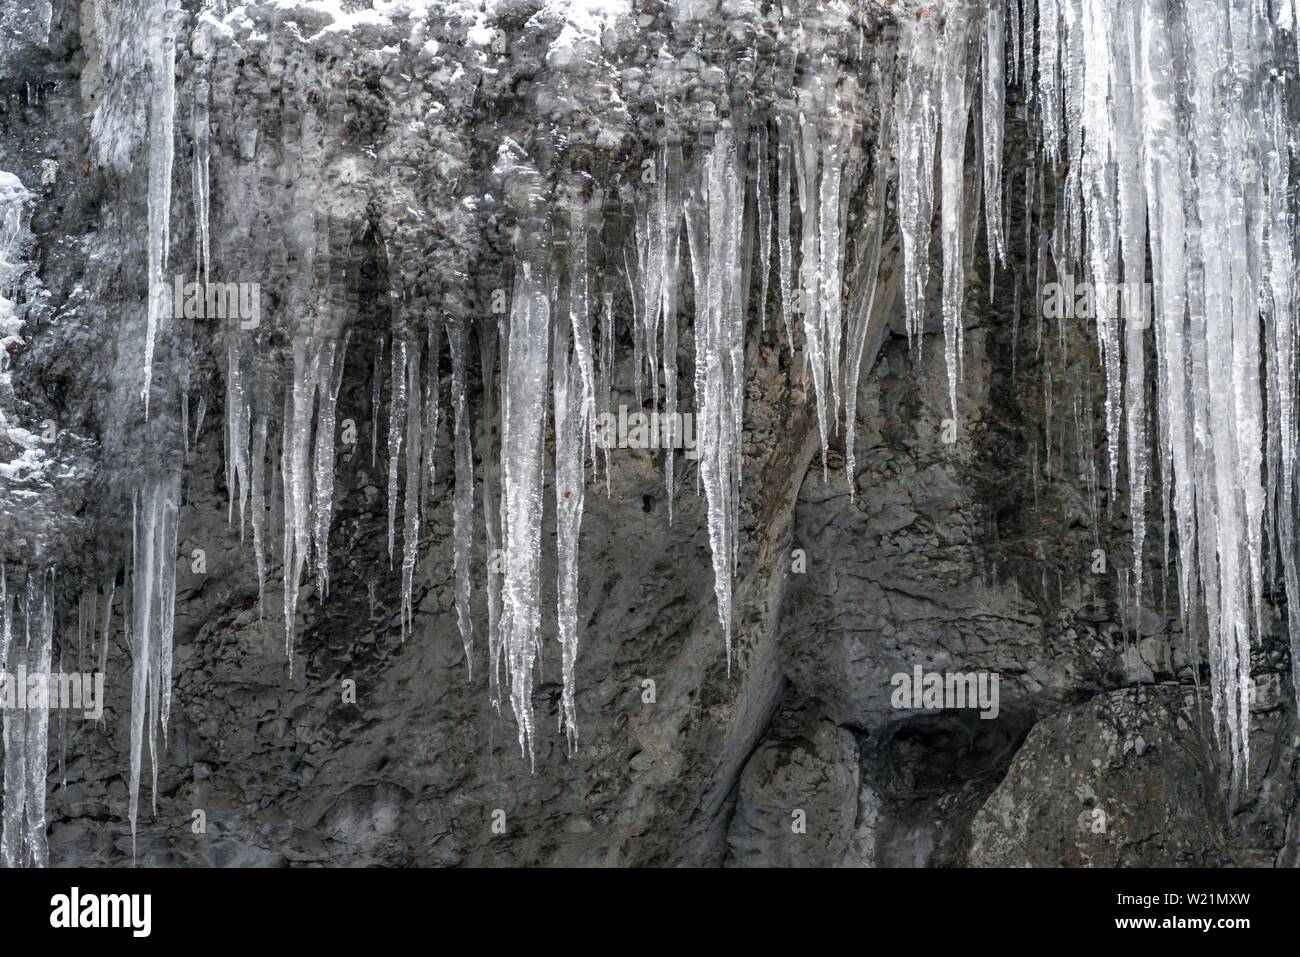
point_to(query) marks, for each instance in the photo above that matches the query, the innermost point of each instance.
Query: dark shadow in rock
(928, 776)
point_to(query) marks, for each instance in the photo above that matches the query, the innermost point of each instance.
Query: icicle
(836, 133)
(237, 421)
(143, 560)
(522, 447)
(106, 629)
(810, 260)
(259, 508)
(198, 418)
(763, 197)
(916, 123)
(168, 517)
(432, 383)
(155, 515)
(1049, 76)
(570, 428)
(954, 109)
(411, 510)
(713, 214)
(463, 502)
(40, 606)
(396, 427)
(605, 399)
(992, 113)
(160, 40)
(6, 618)
(12, 848)
(1281, 326)
(200, 170)
(296, 476)
(1126, 152)
(1028, 34)
(633, 259)
(651, 227)
(1099, 187)
(332, 360)
(376, 381)
(670, 226)
(488, 339)
(784, 149)
(580, 306)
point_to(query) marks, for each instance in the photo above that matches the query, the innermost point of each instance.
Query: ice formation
(714, 207)
(160, 43)
(152, 570)
(1163, 134)
(26, 644)
(523, 408)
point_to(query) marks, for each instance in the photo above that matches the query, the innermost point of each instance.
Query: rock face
(988, 544)
(1133, 775)
(1136, 785)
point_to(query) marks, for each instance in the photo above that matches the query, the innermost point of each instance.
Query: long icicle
(463, 501)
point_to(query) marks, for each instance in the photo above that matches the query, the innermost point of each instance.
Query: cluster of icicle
(555, 348)
(717, 208)
(1171, 117)
(737, 190)
(139, 38)
(155, 508)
